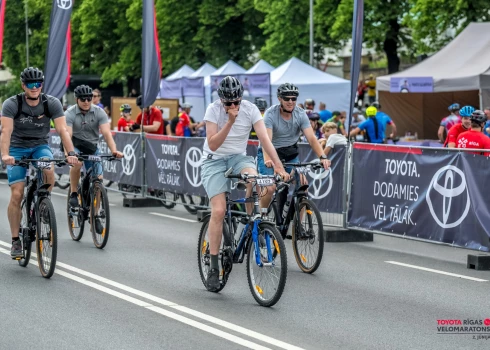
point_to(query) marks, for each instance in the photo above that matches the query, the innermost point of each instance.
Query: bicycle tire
(255, 288)
(299, 256)
(203, 258)
(25, 239)
(81, 221)
(63, 187)
(106, 216)
(167, 203)
(46, 264)
(190, 205)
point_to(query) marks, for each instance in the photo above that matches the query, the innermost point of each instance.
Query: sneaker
(99, 228)
(74, 200)
(16, 250)
(212, 282)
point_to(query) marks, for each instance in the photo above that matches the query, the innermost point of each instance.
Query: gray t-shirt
(31, 128)
(86, 127)
(285, 132)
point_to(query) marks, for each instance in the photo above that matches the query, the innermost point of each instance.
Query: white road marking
(437, 271)
(167, 303)
(112, 205)
(3, 183)
(173, 217)
(59, 194)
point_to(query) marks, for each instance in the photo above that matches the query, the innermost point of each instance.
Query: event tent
(204, 71)
(460, 73)
(313, 83)
(261, 67)
(229, 68)
(184, 71)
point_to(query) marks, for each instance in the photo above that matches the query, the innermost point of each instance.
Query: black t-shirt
(165, 123)
(173, 124)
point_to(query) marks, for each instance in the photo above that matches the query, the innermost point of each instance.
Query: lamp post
(27, 34)
(311, 32)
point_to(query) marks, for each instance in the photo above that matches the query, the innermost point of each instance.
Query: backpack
(44, 101)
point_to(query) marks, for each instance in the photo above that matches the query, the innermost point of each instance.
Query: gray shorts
(213, 171)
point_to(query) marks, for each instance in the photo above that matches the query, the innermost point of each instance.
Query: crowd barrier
(415, 192)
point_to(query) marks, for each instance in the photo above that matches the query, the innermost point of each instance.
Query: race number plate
(265, 182)
(302, 170)
(95, 158)
(44, 165)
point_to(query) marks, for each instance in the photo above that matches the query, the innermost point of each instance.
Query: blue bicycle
(260, 240)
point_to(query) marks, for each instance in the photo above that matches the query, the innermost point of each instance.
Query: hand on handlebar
(269, 163)
(117, 154)
(326, 163)
(282, 173)
(8, 160)
(72, 159)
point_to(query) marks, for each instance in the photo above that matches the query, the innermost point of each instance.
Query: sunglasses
(236, 103)
(85, 99)
(35, 85)
(287, 99)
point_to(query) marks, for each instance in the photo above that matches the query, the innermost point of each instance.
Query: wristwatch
(71, 154)
(323, 157)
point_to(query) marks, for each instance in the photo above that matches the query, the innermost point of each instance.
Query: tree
(384, 27)
(430, 19)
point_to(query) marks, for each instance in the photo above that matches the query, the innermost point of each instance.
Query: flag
(2, 18)
(58, 53)
(152, 62)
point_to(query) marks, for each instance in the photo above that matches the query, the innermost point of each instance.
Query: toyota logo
(448, 191)
(193, 161)
(129, 160)
(64, 4)
(318, 176)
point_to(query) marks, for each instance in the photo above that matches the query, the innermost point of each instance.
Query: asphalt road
(143, 291)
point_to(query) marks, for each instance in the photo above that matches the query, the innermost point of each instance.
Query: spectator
(96, 98)
(448, 122)
(125, 121)
(166, 123)
(361, 90)
(487, 124)
(149, 119)
(357, 118)
(371, 85)
(375, 126)
(184, 125)
(314, 119)
(324, 113)
(331, 137)
(339, 120)
(133, 93)
(309, 104)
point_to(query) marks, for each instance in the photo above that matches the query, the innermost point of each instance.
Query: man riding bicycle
(228, 124)
(25, 132)
(84, 120)
(284, 124)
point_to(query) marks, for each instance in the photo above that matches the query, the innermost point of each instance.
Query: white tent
(199, 104)
(229, 68)
(184, 71)
(261, 67)
(313, 83)
(204, 71)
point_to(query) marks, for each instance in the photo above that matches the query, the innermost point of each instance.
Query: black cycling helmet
(230, 89)
(32, 74)
(287, 89)
(376, 104)
(261, 103)
(83, 91)
(125, 108)
(478, 117)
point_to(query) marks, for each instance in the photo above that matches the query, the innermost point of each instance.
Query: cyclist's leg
(44, 151)
(75, 174)
(244, 164)
(265, 200)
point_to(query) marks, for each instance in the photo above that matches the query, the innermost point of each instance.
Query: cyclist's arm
(355, 132)
(215, 137)
(105, 130)
(62, 130)
(313, 141)
(267, 146)
(393, 128)
(7, 128)
(266, 156)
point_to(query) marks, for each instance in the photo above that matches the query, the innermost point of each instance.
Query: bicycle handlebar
(314, 165)
(97, 158)
(41, 162)
(247, 176)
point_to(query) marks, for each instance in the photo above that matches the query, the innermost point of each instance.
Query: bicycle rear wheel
(267, 282)
(76, 221)
(99, 215)
(24, 235)
(167, 199)
(193, 203)
(47, 238)
(308, 250)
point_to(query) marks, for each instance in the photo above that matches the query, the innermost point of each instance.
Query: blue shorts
(263, 170)
(96, 166)
(17, 173)
(213, 172)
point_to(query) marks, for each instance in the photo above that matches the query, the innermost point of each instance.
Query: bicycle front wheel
(267, 282)
(99, 215)
(308, 247)
(25, 238)
(47, 238)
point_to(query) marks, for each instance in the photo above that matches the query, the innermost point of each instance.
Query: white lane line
(59, 194)
(173, 217)
(437, 271)
(112, 205)
(183, 309)
(3, 183)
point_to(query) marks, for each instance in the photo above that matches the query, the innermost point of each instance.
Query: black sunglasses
(85, 99)
(236, 103)
(287, 99)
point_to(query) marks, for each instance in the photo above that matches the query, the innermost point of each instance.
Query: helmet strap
(32, 98)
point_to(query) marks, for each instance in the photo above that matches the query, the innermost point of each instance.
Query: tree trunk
(390, 47)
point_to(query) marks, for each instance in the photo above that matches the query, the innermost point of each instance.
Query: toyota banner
(421, 193)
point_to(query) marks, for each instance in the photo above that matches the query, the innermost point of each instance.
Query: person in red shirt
(125, 121)
(150, 120)
(474, 138)
(457, 129)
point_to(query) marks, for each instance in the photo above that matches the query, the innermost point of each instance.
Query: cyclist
(457, 129)
(284, 123)
(25, 131)
(374, 127)
(262, 106)
(84, 120)
(474, 138)
(125, 121)
(228, 123)
(448, 122)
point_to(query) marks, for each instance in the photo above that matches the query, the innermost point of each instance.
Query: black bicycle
(257, 237)
(307, 229)
(93, 205)
(38, 219)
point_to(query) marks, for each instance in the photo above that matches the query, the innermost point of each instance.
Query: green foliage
(13, 87)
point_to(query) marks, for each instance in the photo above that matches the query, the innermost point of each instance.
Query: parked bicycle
(259, 239)
(93, 205)
(307, 229)
(38, 219)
